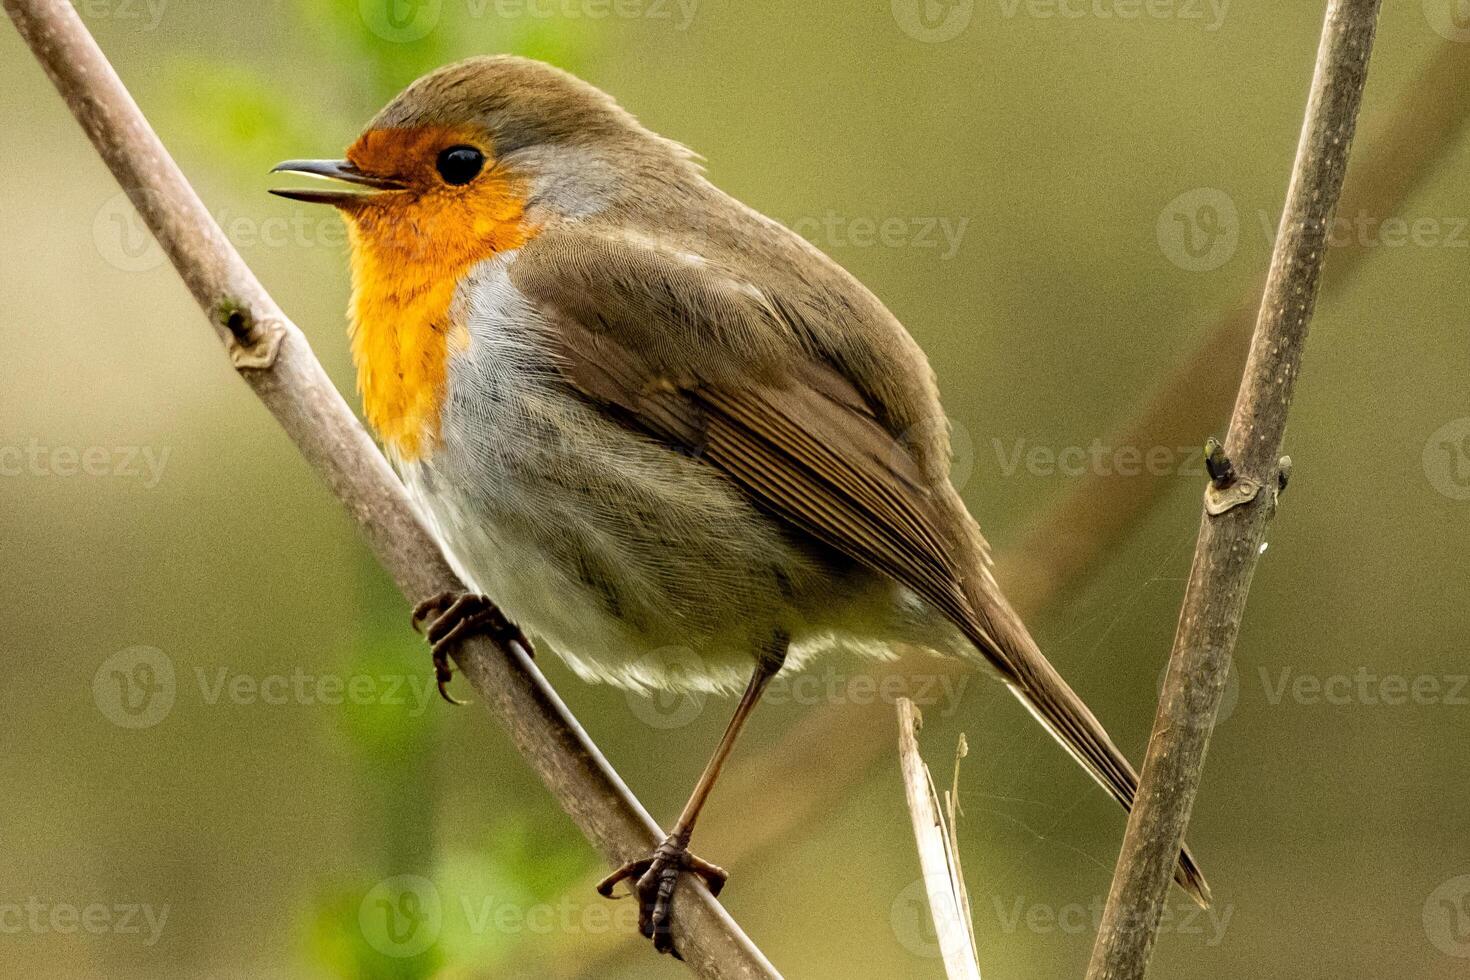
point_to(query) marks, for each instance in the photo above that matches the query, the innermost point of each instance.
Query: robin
(648, 419)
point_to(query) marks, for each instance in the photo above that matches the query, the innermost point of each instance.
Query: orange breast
(409, 253)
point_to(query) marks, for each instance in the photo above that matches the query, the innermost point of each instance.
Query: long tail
(1003, 639)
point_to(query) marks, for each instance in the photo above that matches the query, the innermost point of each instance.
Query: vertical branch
(273, 357)
(1239, 503)
(939, 859)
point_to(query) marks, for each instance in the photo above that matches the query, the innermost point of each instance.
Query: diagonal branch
(1239, 503)
(273, 357)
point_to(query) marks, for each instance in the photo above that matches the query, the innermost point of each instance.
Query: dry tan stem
(938, 857)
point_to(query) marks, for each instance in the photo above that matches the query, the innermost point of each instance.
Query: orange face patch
(410, 249)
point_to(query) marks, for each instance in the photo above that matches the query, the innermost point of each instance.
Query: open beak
(334, 170)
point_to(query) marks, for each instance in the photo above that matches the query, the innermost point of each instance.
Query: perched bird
(645, 418)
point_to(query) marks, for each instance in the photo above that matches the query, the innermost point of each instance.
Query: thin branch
(273, 357)
(1079, 531)
(1239, 503)
(939, 859)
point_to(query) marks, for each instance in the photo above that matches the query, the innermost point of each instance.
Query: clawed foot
(451, 616)
(652, 880)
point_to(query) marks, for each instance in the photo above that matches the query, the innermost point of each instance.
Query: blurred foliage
(236, 109)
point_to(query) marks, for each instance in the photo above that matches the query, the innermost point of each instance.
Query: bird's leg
(451, 616)
(653, 879)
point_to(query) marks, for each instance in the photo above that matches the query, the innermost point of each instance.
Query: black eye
(460, 164)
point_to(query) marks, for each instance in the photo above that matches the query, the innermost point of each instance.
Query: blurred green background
(221, 756)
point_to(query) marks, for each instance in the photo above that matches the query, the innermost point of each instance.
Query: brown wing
(807, 450)
(715, 368)
(787, 427)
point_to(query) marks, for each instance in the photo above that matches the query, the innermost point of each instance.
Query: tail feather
(1007, 644)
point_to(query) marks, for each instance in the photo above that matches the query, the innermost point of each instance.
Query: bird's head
(476, 157)
(470, 162)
